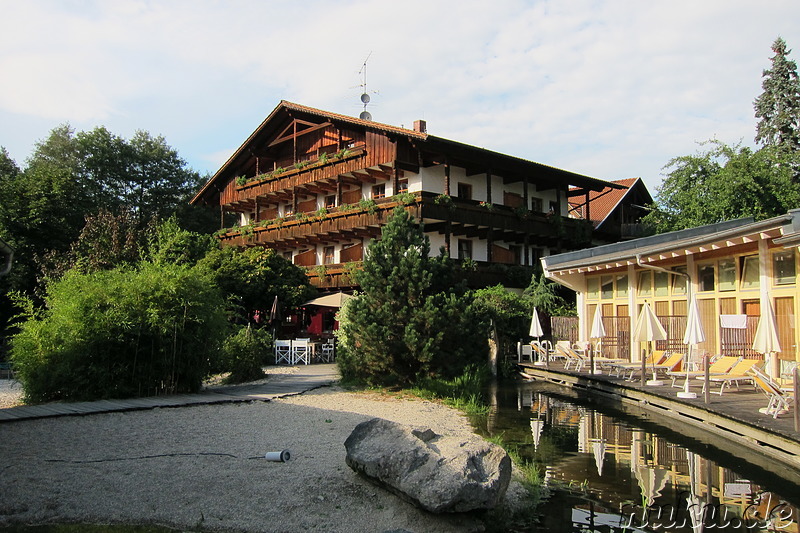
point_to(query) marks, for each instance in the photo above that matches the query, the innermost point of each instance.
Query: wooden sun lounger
(719, 366)
(780, 400)
(670, 364)
(621, 368)
(738, 373)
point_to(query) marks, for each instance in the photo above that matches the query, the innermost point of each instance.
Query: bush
(120, 333)
(245, 353)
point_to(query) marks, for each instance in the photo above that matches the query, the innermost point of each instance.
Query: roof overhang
(268, 128)
(784, 229)
(511, 168)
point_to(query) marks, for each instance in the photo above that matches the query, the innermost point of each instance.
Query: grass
(464, 392)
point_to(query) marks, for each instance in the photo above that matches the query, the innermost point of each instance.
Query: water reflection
(608, 474)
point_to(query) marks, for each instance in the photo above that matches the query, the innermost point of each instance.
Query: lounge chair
(540, 352)
(620, 369)
(720, 365)
(572, 357)
(558, 351)
(780, 400)
(737, 374)
(670, 364)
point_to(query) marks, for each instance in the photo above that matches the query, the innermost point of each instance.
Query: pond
(606, 470)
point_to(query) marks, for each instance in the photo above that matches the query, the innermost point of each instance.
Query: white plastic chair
(283, 352)
(301, 351)
(525, 352)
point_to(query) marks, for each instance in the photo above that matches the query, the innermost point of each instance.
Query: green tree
(409, 321)
(723, 183)
(778, 107)
(69, 177)
(251, 278)
(511, 313)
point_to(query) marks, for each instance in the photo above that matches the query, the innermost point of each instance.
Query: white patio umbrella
(693, 336)
(536, 431)
(766, 338)
(599, 452)
(694, 504)
(652, 480)
(648, 329)
(598, 332)
(536, 329)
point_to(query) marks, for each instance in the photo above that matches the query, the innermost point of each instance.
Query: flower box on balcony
(336, 157)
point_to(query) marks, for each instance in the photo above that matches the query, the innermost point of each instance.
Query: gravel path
(10, 393)
(203, 467)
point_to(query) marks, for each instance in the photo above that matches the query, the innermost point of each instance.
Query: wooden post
(644, 369)
(447, 232)
(489, 187)
(796, 399)
(706, 381)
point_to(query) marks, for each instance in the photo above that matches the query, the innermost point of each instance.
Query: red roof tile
(602, 203)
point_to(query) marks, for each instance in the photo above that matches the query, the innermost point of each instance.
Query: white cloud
(608, 89)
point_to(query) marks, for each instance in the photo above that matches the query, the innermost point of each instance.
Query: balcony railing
(364, 219)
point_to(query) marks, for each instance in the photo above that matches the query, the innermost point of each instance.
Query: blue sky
(609, 89)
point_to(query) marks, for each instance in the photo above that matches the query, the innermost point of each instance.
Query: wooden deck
(307, 377)
(729, 422)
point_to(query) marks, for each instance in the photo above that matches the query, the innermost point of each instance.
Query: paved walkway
(307, 377)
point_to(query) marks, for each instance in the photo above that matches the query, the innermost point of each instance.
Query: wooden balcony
(460, 218)
(336, 276)
(503, 223)
(307, 229)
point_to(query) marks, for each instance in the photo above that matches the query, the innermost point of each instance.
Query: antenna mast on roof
(365, 115)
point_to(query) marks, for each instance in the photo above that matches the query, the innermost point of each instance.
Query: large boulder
(435, 472)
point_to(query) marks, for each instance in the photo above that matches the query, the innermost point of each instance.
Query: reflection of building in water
(604, 457)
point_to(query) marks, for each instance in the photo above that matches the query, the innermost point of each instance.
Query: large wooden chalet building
(317, 187)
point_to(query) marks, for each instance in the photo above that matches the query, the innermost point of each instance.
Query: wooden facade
(734, 270)
(318, 187)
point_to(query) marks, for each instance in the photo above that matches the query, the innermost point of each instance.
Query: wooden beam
(284, 136)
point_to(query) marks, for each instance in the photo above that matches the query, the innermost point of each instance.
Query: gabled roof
(603, 203)
(429, 143)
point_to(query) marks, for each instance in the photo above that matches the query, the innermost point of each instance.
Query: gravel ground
(10, 393)
(203, 467)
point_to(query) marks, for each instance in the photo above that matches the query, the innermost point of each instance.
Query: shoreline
(203, 467)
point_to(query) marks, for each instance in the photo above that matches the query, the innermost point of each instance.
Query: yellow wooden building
(734, 269)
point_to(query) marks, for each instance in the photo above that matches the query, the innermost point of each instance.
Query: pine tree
(410, 320)
(778, 107)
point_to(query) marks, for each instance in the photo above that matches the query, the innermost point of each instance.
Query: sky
(612, 89)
